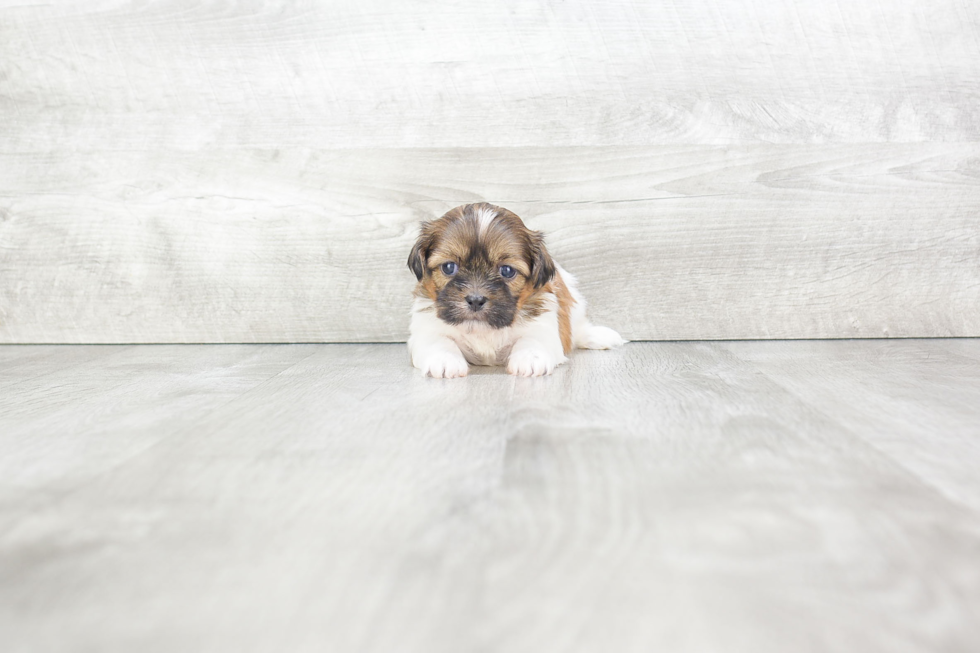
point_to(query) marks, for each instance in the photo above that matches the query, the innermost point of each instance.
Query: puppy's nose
(476, 302)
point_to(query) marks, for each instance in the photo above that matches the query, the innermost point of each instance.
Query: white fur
(530, 348)
(485, 216)
(586, 335)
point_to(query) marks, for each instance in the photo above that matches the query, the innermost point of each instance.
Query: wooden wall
(228, 171)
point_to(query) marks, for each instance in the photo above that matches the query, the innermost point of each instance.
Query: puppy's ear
(542, 266)
(420, 251)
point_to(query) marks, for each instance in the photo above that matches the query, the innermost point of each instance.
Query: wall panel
(253, 171)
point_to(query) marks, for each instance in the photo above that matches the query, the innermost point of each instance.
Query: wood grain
(228, 172)
(693, 242)
(112, 75)
(924, 426)
(65, 424)
(666, 496)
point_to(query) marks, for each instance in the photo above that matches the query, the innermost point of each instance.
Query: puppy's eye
(449, 268)
(507, 272)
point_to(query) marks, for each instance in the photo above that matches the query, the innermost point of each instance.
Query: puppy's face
(481, 265)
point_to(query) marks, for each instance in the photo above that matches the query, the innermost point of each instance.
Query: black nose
(476, 302)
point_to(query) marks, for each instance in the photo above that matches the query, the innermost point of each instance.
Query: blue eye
(449, 268)
(507, 272)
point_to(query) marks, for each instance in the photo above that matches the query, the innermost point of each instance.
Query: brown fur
(456, 237)
(565, 303)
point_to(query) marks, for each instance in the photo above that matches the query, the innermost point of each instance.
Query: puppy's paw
(530, 361)
(599, 337)
(444, 364)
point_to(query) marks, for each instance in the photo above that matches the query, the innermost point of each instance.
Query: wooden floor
(670, 497)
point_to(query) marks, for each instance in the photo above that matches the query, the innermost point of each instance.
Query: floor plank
(63, 425)
(665, 496)
(19, 364)
(922, 413)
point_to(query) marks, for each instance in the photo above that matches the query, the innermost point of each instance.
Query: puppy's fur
(489, 293)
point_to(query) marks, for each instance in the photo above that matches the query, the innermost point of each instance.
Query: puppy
(489, 293)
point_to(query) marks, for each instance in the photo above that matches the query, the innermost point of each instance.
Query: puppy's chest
(485, 347)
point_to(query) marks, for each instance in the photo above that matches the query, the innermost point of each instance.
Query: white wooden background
(178, 171)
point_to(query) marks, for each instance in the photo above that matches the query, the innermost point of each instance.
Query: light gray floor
(670, 497)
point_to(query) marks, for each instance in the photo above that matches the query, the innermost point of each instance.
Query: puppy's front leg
(538, 351)
(432, 351)
(439, 358)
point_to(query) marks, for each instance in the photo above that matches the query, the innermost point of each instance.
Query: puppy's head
(481, 265)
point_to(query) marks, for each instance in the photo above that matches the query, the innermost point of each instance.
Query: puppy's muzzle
(476, 302)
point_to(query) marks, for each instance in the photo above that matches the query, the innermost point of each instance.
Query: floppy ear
(420, 251)
(542, 266)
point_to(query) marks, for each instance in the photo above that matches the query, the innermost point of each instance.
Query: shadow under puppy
(489, 293)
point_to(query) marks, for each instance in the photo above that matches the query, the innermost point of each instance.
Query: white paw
(530, 362)
(599, 337)
(444, 364)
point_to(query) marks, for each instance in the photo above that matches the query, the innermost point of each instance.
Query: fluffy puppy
(489, 293)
